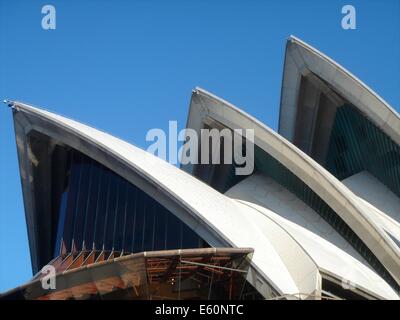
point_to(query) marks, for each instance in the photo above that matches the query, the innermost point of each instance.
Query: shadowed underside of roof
(336, 119)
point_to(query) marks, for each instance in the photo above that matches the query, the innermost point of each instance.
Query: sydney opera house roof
(317, 218)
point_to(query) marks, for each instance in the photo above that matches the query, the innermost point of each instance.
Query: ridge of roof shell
(360, 95)
(294, 39)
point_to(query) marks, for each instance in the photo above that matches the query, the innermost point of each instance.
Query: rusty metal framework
(205, 273)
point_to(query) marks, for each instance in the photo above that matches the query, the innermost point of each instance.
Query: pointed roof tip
(197, 90)
(294, 39)
(9, 103)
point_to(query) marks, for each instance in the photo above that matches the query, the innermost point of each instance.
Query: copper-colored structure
(206, 273)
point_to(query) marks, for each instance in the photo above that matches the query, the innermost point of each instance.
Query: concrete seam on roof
(280, 227)
(320, 268)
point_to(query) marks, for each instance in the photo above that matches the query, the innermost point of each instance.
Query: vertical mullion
(106, 208)
(154, 226)
(125, 216)
(144, 221)
(87, 206)
(118, 187)
(99, 188)
(76, 206)
(134, 218)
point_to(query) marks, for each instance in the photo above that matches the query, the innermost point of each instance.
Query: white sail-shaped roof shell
(218, 219)
(206, 107)
(280, 259)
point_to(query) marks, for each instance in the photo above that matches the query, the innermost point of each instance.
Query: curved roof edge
(300, 59)
(215, 217)
(206, 105)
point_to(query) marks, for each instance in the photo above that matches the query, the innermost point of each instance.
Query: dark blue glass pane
(130, 219)
(189, 238)
(91, 206)
(81, 206)
(148, 242)
(160, 220)
(174, 232)
(72, 199)
(119, 226)
(61, 222)
(110, 214)
(139, 223)
(101, 209)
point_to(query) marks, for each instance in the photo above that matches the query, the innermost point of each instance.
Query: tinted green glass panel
(356, 144)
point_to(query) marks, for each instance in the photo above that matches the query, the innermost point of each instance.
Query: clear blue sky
(128, 66)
